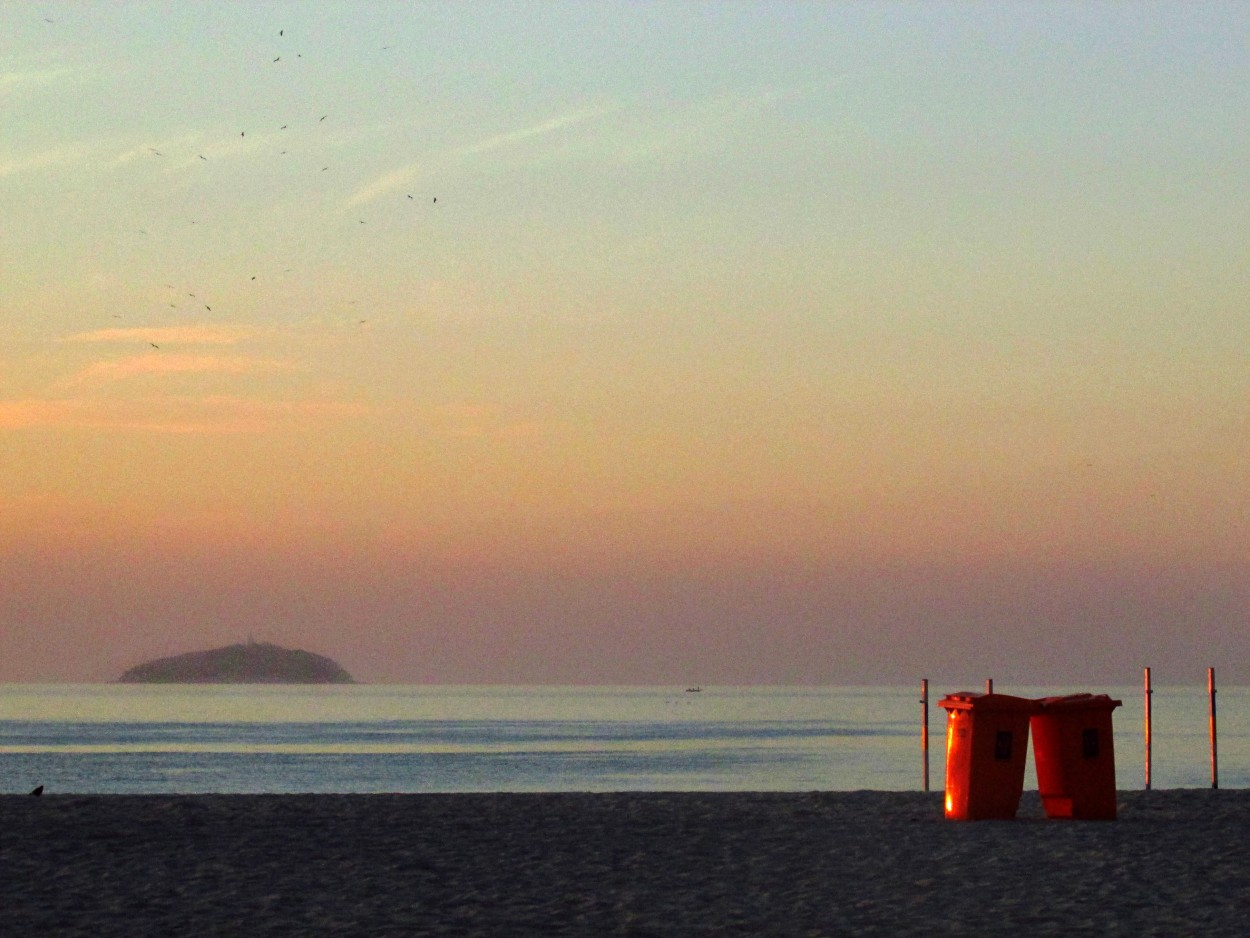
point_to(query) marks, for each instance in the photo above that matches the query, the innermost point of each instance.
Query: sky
(628, 343)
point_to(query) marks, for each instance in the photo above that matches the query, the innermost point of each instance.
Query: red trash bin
(987, 739)
(1075, 755)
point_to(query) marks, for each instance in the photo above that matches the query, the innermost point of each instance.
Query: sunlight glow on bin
(987, 739)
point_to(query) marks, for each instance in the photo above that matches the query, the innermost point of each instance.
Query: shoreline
(740, 863)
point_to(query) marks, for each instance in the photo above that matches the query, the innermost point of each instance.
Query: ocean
(132, 739)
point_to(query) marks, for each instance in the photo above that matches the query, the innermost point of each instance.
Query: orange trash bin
(987, 740)
(1075, 755)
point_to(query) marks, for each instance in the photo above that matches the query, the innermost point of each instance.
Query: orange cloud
(210, 414)
(172, 335)
(158, 363)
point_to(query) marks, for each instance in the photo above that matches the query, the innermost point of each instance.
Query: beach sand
(793, 864)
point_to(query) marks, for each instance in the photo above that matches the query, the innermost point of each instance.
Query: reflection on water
(148, 738)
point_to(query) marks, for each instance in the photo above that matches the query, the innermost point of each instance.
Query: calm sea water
(281, 739)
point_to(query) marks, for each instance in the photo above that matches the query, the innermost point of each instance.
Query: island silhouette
(245, 663)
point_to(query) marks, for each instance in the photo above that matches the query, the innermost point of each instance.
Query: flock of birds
(177, 298)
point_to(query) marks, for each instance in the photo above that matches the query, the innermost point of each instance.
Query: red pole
(1215, 772)
(1147, 727)
(989, 685)
(924, 727)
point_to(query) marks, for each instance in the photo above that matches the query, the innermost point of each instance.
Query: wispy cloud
(159, 363)
(387, 182)
(171, 152)
(151, 148)
(541, 129)
(214, 414)
(171, 335)
(18, 81)
(43, 159)
(395, 179)
(697, 126)
(35, 412)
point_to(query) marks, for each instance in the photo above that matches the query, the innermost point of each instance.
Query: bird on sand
(38, 790)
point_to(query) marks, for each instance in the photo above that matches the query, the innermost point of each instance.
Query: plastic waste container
(1075, 755)
(987, 739)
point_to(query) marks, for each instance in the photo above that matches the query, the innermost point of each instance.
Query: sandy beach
(803, 864)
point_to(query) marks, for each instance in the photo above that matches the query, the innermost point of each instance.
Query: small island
(247, 663)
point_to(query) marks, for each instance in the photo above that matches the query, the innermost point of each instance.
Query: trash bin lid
(1079, 702)
(974, 700)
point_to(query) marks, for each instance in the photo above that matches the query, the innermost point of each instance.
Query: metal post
(1215, 771)
(924, 727)
(1147, 727)
(989, 685)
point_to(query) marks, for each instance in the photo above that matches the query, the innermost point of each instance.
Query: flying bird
(156, 151)
(154, 345)
(322, 117)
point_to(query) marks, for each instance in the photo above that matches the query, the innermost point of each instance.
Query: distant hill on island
(249, 663)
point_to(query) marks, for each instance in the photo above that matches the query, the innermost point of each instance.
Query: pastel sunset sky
(628, 343)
